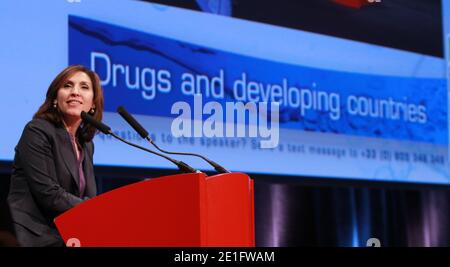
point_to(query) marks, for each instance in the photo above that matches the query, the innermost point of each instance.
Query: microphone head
(133, 122)
(97, 124)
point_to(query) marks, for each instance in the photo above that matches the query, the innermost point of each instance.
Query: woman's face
(75, 95)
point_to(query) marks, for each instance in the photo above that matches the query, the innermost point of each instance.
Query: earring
(54, 104)
(92, 110)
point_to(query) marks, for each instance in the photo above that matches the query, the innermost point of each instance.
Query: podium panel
(184, 210)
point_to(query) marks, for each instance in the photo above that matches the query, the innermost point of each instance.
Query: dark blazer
(45, 182)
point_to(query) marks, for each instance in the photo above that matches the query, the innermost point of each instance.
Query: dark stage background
(302, 211)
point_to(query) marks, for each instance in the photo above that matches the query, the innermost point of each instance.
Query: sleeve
(36, 156)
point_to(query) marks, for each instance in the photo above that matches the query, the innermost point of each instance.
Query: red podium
(184, 210)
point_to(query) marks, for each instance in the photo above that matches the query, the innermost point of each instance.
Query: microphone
(97, 124)
(144, 134)
(183, 167)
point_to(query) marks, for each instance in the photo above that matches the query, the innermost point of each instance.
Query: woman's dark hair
(48, 112)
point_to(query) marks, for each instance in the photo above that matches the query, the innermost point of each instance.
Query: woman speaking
(53, 164)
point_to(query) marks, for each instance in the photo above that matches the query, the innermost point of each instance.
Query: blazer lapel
(88, 167)
(91, 187)
(65, 146)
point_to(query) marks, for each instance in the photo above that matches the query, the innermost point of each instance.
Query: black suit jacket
(45, 182)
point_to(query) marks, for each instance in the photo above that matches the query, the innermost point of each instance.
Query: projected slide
(258, 95)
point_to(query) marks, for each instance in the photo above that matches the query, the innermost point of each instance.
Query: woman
(53, 165)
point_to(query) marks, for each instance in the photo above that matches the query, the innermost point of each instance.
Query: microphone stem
(181, 165)
(216, 166)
